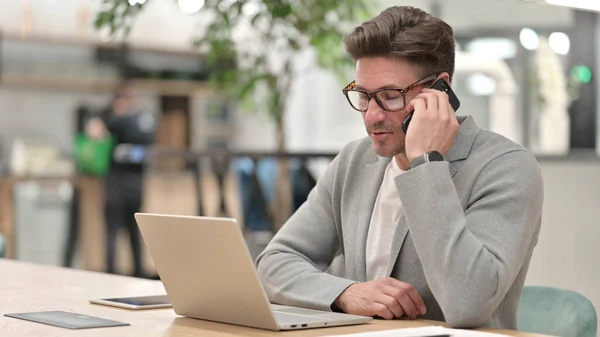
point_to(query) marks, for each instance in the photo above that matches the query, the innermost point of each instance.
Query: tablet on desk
(68, 320)
(136, 303)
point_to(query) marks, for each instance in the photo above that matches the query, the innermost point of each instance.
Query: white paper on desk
(423, 332)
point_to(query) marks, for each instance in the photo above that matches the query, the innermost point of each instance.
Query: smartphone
(136, 303)
(440, 85)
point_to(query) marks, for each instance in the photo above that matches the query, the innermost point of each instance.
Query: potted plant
(259, 74)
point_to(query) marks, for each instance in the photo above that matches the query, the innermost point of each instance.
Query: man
(133, 130)
(438, 223)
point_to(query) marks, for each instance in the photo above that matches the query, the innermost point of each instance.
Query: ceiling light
(560, 43)
(190, 6)
(529, 38)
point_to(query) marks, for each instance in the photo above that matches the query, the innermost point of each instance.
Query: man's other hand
(387, 298)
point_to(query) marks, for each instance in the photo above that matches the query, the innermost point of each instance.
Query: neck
(402, 161)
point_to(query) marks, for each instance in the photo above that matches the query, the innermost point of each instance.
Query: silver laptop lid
(206, 269)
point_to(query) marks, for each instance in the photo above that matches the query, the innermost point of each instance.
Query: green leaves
(281, 10)
(117, 15)
(244, 71)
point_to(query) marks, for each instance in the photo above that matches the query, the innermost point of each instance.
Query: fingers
(391, 303)
(417, 300)
(405, 301)
(434, 125)
(442, 103)
(387, 298)
(382, 311)
(409, 307)
(411, 293)
(443, 110)
(432, 101)
(417, 104)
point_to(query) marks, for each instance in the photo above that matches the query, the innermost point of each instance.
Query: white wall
(468, 15)
(160, 24)
(567, 252)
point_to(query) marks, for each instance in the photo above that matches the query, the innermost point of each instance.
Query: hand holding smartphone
(440, 85)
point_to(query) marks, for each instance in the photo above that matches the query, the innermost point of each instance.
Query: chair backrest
(2, 245)
(556, 312)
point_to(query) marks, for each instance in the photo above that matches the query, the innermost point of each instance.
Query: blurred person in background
(134, 131)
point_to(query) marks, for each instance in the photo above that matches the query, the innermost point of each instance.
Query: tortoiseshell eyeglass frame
(371, 94)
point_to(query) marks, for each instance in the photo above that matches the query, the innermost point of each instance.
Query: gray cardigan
(464, 241)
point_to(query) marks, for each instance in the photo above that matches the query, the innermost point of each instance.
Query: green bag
(93, 156)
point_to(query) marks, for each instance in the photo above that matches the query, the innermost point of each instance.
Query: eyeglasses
(388, 99)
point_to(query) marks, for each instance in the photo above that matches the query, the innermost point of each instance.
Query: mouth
(380, 135)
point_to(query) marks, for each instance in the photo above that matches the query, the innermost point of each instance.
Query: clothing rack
(256, 201)
(220, 161)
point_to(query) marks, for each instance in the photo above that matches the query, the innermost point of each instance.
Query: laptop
(208, 273)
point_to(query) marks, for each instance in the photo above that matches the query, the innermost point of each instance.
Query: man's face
(385, 127)
(123, 103)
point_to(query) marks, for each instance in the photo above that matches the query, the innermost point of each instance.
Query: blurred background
(96, 124)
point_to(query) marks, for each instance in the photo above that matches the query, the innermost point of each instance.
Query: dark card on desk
(66, 320)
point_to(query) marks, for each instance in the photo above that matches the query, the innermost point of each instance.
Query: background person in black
(134, 131)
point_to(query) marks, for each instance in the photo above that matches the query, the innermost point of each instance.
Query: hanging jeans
(257, 188)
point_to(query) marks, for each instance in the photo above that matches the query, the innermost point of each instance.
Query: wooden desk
(27, 287)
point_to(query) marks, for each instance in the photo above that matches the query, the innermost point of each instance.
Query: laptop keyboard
(287, 318)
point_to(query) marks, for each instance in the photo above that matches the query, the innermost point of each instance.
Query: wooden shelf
(95, 85)
(159, 87)
(96, 44)
(173, 87)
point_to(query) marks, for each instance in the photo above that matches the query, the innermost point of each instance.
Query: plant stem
(286, 76)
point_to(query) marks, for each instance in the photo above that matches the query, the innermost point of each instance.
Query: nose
(374, 114)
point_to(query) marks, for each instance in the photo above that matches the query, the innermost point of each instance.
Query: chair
(556, 312)
(2, 245)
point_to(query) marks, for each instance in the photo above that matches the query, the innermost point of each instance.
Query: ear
(445, 76)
